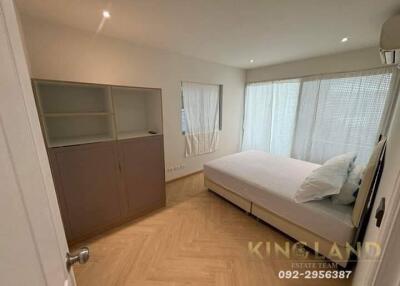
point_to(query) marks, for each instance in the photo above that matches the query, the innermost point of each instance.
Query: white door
(32, 241)
(383, 271)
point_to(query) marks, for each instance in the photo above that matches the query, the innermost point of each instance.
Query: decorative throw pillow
(326, 180)
(348, 192)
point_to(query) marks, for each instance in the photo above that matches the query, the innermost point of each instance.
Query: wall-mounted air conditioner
(390, 41)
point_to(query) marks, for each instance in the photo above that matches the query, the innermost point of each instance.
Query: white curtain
(270, 113)
(342, 113)
(201, 114)
(316, 118)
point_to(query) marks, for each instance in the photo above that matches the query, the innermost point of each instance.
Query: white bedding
(271, 181)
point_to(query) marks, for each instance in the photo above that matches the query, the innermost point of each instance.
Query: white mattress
(271, 181)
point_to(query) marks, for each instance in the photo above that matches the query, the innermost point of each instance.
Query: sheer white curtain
(316, 118)
(270, 113)
(257, 122)
(201, 110)
(342, 113)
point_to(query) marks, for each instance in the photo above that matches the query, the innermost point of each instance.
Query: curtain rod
(325, 74)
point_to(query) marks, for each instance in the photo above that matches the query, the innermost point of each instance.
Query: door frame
(374, 271)
(385, 268)
(382, 269)
(20, 122)
(390, 232)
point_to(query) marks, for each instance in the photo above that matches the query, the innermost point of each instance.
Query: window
(270, 113)
(314, 119)
(201, 117)
(188, 90)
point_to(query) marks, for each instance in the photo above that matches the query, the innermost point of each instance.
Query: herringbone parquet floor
(198, 239)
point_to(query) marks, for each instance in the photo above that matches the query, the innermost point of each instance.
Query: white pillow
(326, 180)
(347, 193)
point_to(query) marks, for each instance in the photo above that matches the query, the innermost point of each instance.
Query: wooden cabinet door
(143, 173)
(87, 183)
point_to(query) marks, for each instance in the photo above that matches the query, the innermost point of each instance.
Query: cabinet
(87, 183)
(143, 172)
(105, 146)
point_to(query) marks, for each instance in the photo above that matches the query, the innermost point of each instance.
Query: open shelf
(57, 97)
(134, 134)
(72, 130)
(75, 113)
(137, 111)
(66, 141)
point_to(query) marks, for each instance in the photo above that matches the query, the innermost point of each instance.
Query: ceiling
(230, 32)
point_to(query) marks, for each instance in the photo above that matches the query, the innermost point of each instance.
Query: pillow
(347, 193)
(326, 180)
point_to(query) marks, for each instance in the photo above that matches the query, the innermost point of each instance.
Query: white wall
(343, 62)
(63, 53)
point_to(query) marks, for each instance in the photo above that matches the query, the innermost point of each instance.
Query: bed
(264, 185)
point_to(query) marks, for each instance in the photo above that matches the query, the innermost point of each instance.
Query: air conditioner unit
(390, 41)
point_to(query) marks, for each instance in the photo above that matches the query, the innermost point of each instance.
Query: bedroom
(173, 137)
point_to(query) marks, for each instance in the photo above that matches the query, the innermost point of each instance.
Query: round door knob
(82, 256)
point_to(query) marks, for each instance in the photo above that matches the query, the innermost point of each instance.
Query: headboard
(369, 182)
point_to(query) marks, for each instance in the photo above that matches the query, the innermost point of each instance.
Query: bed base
(310, 239)
(230, 196)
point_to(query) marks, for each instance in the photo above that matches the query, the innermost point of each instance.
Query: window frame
(220, 101)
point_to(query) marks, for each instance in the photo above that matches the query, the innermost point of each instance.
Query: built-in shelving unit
(77, 113)
(120, 175)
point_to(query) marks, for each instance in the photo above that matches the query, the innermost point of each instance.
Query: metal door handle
(82, 256)
(380, 211)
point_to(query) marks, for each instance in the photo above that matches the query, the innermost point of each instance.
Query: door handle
(82, 256)
(380, 211)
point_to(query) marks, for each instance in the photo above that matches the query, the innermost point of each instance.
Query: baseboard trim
(184, 176)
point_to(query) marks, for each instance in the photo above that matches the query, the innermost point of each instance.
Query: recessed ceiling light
(106, 14)
(344, 40)
(252, 61)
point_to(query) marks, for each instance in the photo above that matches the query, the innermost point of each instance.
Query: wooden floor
(198, 239)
